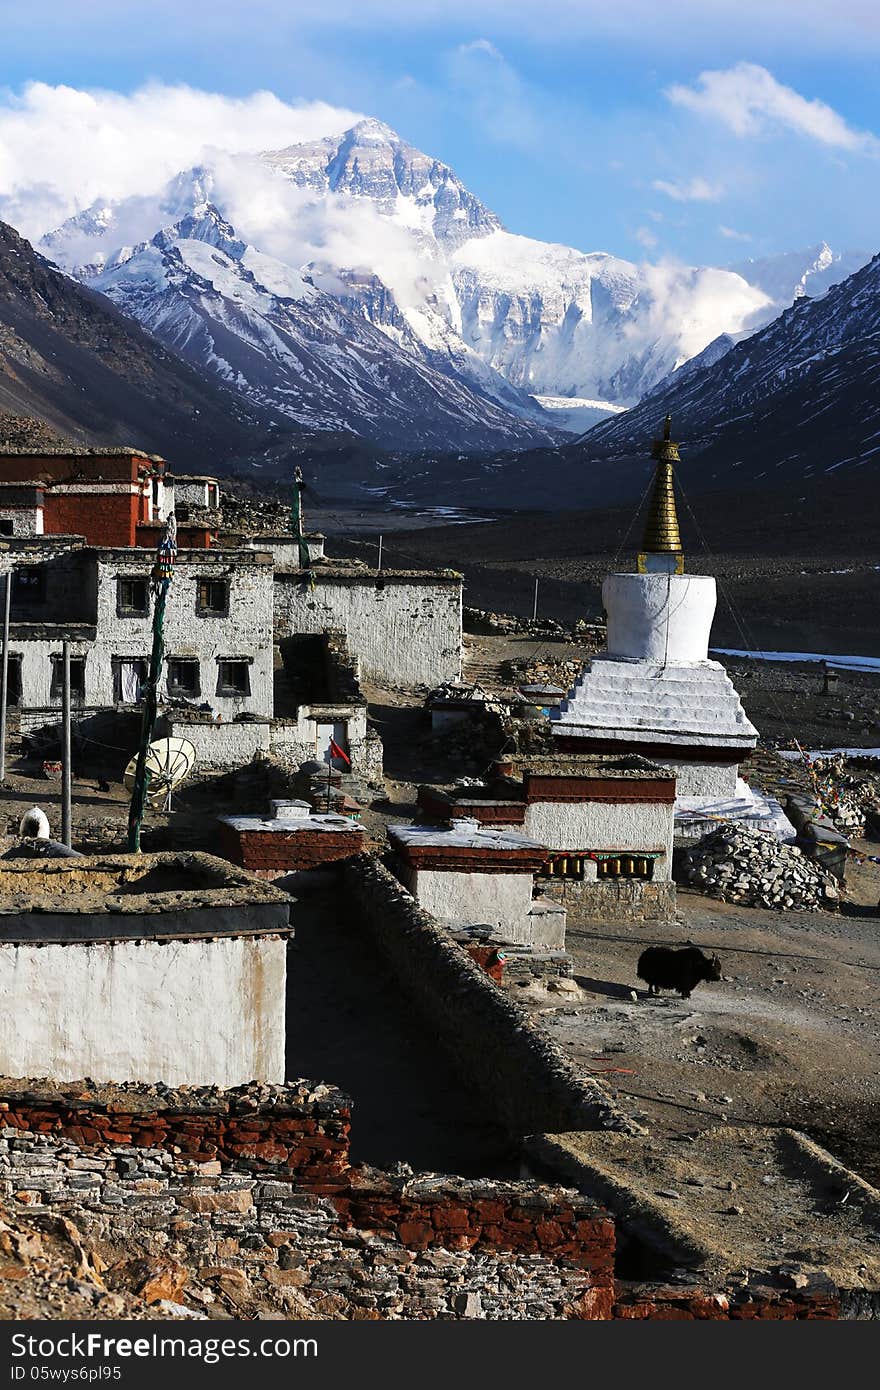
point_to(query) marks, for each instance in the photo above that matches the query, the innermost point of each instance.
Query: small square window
(132, 596)
(129, 678)
(6, 526)
(29, 584)
(77, 678)
(212, 599)
(233, 678)
(183, 677)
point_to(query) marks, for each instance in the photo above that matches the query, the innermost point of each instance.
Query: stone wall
(625, 899)
(298, 1130)
(404, 629)
(382, 1246)
(500, 1052)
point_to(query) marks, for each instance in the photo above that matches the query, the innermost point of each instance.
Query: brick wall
(660, 1304)
(277, 851)
(290, 1129)
(106, 518)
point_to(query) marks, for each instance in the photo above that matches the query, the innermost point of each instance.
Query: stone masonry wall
(630, 900)
(498, 1049)
(299, 1130)
(386, 1246)
(402, 629)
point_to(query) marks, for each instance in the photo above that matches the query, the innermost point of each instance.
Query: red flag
(337, 752)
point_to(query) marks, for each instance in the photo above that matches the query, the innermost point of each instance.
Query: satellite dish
(169, 761)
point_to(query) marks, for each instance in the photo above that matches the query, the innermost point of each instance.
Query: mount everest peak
(353, 282)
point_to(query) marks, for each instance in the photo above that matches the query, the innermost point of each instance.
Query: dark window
(77, 678)
(5, 527)
(129, 678)
(13, 679)
(183, 676)
(132, 597)
(212, 600)
(233, 678)
(29, 584)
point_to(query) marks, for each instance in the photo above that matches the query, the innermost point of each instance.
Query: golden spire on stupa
(661, 546)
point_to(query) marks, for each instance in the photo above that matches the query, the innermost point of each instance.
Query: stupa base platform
(696, 816)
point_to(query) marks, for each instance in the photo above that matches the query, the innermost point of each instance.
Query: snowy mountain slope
(550, 319)
(793, 274)
(392, 238)
(267, 332)
(69, 358)
(800, 396)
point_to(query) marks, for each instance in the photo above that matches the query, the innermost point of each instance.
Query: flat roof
(627, 765)
(80, 451)
(103, 896)
(460, 836)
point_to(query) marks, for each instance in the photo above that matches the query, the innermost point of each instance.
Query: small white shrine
(655, 692)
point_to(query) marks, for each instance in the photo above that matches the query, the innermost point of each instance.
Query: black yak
(662, 968)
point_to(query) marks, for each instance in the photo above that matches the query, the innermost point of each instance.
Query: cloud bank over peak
(103, 145)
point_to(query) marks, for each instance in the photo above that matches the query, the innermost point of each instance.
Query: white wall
(182, 1012)
(222, 745)
(403, 634)
(26, 521)
(246, 631)
(659, 617)
(501, 900)
(596, 825)
(716, 780)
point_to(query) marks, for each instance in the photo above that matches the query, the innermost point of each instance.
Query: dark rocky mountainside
(68, 358)
(796, 400)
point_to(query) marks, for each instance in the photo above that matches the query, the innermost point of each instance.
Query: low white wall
(716, 780)
(602, 825)
(223, 745)
(659, 617)
(402, 633)
(183, 1012)
(500, 900)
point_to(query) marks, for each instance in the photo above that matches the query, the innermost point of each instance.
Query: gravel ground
(790, 1035)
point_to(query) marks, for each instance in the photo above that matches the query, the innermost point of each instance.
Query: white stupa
(655, 692)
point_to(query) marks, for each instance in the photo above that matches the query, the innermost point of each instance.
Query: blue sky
(705, 132)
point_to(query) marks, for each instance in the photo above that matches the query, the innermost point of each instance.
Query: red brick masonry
(279, 851)
(303, 1138)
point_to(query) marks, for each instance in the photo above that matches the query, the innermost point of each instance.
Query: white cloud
(747, 98)
(695, 190)
(501, 102)
(645, 237)
(62, 148)
(732, 234)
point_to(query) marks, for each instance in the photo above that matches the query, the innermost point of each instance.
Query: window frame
(173, 688)
(202, 610)
(223, 689)
(116, 662)
(56, 682)
(124, 610)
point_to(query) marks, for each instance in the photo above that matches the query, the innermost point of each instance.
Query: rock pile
(755, 869)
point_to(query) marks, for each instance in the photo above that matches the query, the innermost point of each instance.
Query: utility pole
(66, 837)
(535, 607)
(4, 672)
(163, 571)
(379, 564)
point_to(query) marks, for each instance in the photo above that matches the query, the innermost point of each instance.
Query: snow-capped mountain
(551, 320)
(794, 274)
(800, 396)
(269, 333)
(457, 330)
